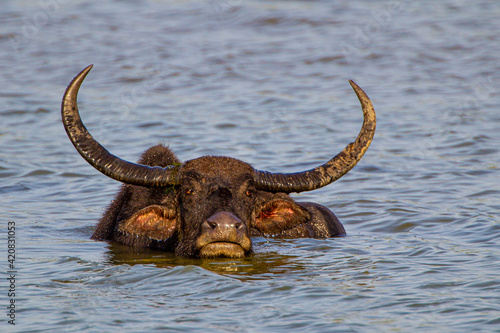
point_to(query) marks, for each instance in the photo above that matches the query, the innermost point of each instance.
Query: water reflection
(256, 267)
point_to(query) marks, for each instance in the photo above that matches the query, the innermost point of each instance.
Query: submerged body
(210, 206)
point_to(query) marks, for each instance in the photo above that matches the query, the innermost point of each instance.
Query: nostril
(224, 221)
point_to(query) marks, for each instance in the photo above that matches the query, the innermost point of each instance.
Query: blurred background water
(265, 82)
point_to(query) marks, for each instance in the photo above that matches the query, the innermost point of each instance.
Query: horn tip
(353, 84)
(359, 92)
(88, 68)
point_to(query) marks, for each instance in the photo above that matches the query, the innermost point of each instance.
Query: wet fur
(274, 214)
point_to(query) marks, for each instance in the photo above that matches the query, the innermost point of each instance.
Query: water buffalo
(209, 206)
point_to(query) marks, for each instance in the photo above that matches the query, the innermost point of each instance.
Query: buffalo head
(209, 206)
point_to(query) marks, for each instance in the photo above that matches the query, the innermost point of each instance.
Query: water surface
(265, 82)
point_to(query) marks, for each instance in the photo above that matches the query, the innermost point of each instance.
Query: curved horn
(97, 155)
(331, 170)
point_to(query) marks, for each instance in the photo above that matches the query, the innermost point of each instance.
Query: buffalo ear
(154, 222)
(278, 215)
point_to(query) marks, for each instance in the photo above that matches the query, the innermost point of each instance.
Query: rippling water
(266, 82)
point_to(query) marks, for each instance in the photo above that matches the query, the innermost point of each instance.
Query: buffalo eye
(249, 193)
(189, 191)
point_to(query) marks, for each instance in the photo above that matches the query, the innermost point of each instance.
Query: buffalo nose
(225, 220)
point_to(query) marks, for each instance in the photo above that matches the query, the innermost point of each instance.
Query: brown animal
(209, 206)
